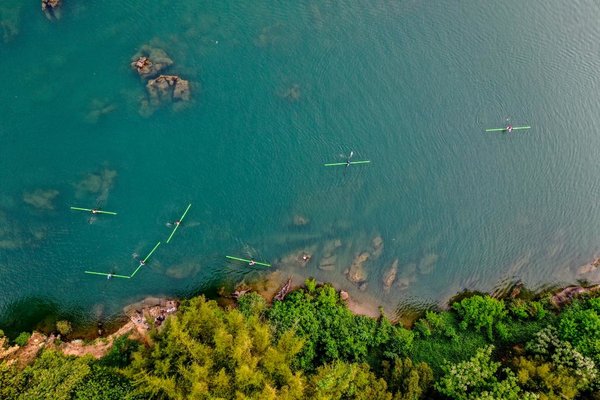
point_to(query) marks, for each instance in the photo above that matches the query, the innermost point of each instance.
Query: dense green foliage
(482, 313)
(310, 346)
(332, 332)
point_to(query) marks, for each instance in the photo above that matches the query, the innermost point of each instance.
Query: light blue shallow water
(410, 85)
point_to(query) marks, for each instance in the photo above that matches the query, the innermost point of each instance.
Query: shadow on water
(28, 314)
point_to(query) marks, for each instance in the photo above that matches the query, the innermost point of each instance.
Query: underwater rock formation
(96, 183)
(390, 276)
(357, 273)
(427, 263)
(97, 109)
(292, 94)
(329, 260)
(41, 199)
(150, 61)
(10, 16)
(377, 246)
(300, 220)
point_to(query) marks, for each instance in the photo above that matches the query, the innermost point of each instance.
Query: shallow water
(409, 85)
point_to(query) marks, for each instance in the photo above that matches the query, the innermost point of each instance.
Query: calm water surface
(279, 88)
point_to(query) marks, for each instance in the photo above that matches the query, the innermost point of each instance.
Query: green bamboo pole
(93, 211)
(177, 224)
(346, 163)
(248, 261)
(105, 274)
(136, 270)
(149, 254)
(515, 128)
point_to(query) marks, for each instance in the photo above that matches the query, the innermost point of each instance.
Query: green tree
(580, 325)
(341, 380)
(204, 352)
(407, 381)
(547, 380)
(105, 383)
(481, 312)
(477, 379)
(12, 381)
(331, 332)
(53, 376)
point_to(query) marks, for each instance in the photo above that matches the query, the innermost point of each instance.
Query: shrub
(311, 284)
(64, 327)
(22, 339)
(252, 304)
(120, 353)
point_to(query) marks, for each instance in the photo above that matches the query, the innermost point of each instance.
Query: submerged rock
(328, 263)
(97, 109)
(427, 263)
(41, 199)
(390, 276)
(300, 220)
(97, 183)
(377, 246)
(357, 273)
(10, 16)
(292, 93)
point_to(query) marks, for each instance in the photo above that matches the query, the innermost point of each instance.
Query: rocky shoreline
(141, 317)
(153, 311)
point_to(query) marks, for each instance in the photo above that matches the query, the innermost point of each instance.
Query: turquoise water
(409, 84)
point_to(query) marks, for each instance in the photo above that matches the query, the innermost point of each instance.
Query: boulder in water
(168, 88)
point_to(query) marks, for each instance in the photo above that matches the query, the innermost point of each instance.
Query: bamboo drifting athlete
(93, 210)
(250, 262)
(111, 275)
(508, 128)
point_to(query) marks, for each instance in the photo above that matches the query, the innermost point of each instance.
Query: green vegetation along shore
(310, 346)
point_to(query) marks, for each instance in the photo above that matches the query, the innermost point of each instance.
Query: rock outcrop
(150, 61)
(168, 88)
(51, 8)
